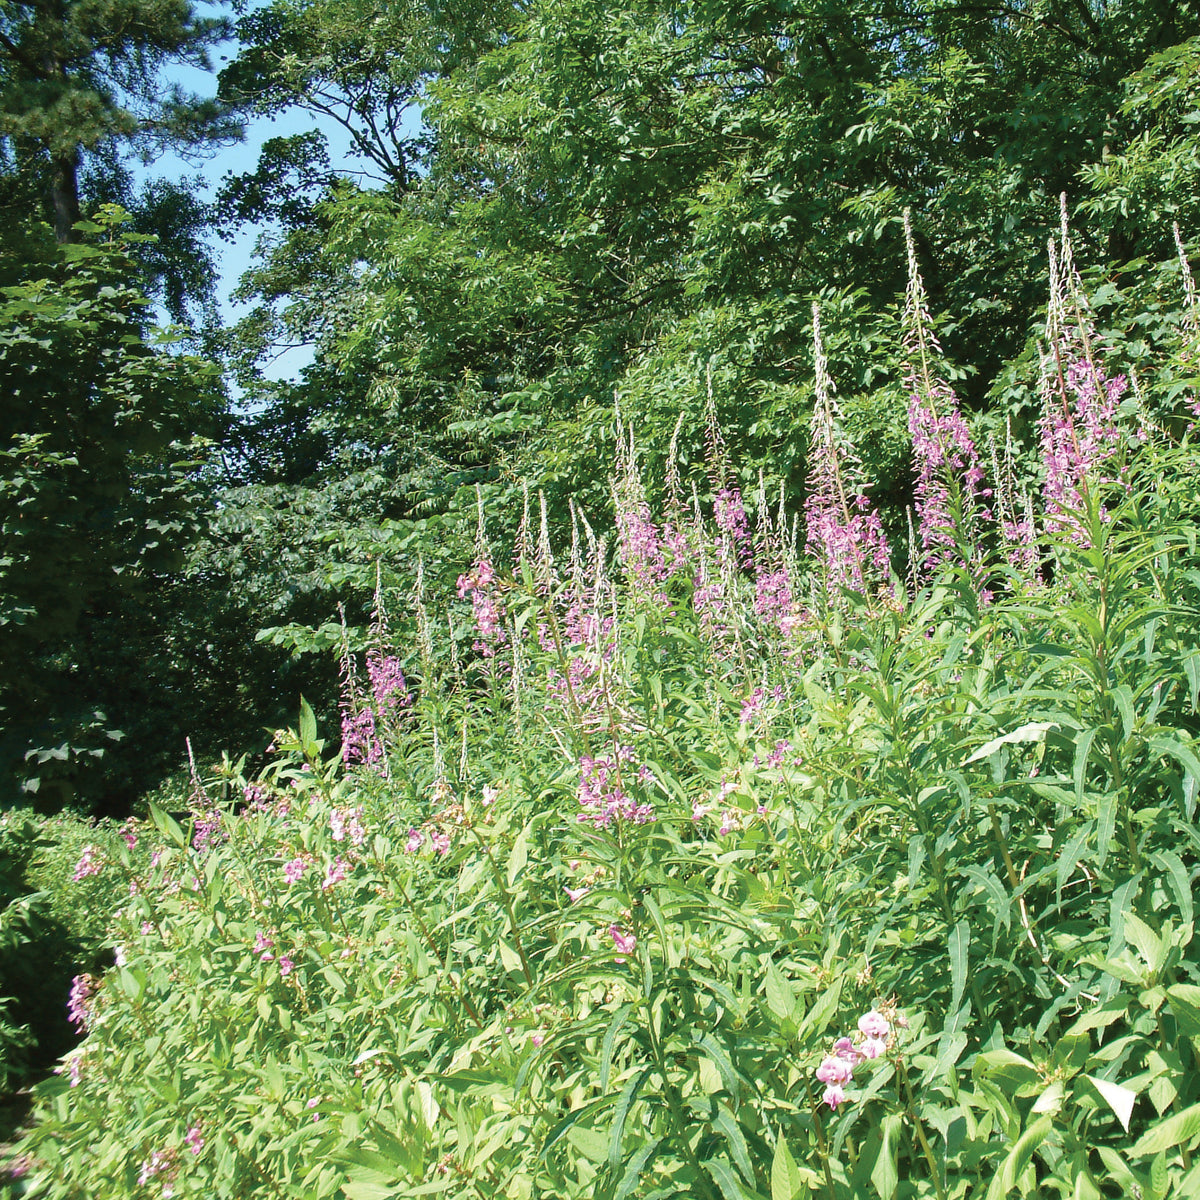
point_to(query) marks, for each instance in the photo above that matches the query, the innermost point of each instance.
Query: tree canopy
(563, 212)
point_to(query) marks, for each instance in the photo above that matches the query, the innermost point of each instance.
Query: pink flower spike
(873, 1025)
(415, 838)
(834, 1095)
(293, 870)
(194, 1139)
(90, 863)
(286, 966)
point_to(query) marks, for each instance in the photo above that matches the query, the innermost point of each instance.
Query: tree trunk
(64, 194)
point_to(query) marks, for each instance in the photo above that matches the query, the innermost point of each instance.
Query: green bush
(52, 928)
(703, 874)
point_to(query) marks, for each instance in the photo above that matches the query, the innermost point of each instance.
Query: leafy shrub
(703, 874)
(52, 927)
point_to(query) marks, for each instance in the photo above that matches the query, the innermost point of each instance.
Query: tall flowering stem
(844, 533)
(1078, 429)
(481, 586)
(1013, 509)
(370, 713)
(950, 494)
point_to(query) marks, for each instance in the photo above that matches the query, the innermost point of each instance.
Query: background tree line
(561, 205)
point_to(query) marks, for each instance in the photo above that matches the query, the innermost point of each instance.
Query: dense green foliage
(97, 475)
(626, 833)
(443, 971)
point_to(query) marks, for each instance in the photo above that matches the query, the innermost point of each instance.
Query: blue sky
(234, 258)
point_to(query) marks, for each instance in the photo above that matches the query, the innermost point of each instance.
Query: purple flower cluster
(837, 1067)
(847, 539)
(362, 722)
(843, 533)
(602, 796)
(91, 862)
(206, 827)
(773, 600)
(79, 1006)
(347, 823)
(950, 490)
(1079, 434)
(639, 546)
(164, 1165)
(486, 606)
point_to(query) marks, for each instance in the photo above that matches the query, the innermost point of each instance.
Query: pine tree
(78, 77)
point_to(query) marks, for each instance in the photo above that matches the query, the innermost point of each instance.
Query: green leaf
(626, 1101)
(610, 1039)
(1144, 940)
(168, 826)
(1017, 1159)
(960, 941)
(1034, 731)
(1174, 1131)
(726, 1123)
(786, 1183)
(884, 1174)
(723, 1176)
(519, 856)
(1184, 999)
(1009, 1069)
(308, 725)
(1083, 749)
(1120, 1099)
(634, 1168)
(780, 998)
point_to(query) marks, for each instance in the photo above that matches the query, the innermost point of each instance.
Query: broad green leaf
(1144, 940)
(780, 998)
(308, 725)
(1184, 999)
(1164, 1135)
(786, 1183)
(519, 856)
(1120, 1099)
(885, 1174)
(1008, 1068)
(1017, 1159)
(168, 826)
(1034, 731)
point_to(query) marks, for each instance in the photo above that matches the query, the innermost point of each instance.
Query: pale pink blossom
(873, 1025)
(91, 862)
(835, 1069)
(626, 943)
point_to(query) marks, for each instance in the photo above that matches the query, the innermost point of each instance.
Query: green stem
(823, 1148)
(918, 1129)
(677, 1115)
(502, 888)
